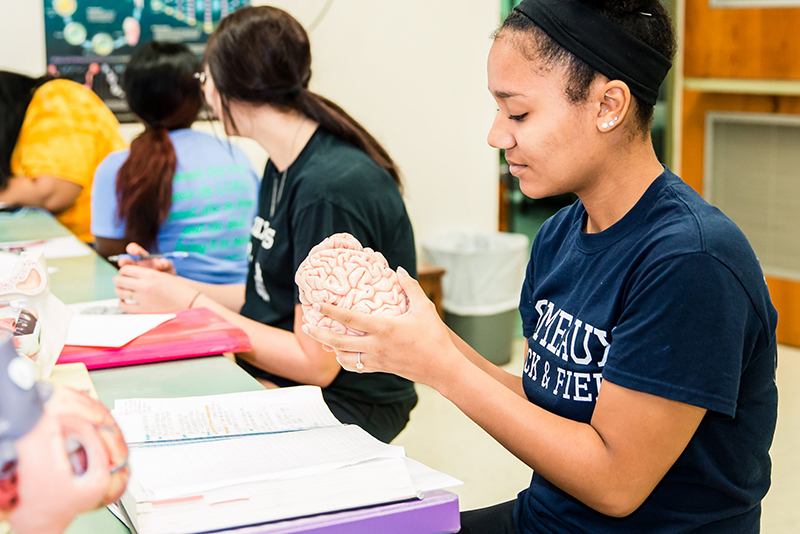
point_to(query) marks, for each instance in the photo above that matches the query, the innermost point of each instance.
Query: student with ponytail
(326, 174)
(175, 189)
(647, 401)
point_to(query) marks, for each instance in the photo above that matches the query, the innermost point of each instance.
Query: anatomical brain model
(340, 271)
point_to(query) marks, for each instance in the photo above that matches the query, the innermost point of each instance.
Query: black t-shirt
(669, 301)
(331, 187)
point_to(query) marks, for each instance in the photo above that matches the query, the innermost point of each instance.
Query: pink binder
(192, 333)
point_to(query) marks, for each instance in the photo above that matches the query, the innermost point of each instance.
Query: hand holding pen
(137, 255)
(140, 257)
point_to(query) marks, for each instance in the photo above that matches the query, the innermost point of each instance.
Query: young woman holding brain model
(326, 175)
(640, 286)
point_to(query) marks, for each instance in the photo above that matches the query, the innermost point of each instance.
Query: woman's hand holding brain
(342, 272)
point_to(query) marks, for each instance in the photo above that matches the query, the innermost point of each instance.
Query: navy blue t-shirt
(669, 301)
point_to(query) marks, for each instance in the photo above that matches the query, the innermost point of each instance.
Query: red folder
(192, 333)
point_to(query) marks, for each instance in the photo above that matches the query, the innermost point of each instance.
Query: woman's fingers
(350, 319)
(338, 342)
(355, 362)
(159, 264)
(135, 249)
(127, 284)
(406, 345)
(410, 286)
(143, 290)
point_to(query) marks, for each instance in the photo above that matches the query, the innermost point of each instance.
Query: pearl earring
(611, 123)
(605, 125)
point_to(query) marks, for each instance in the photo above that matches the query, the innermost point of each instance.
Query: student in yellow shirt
(53, 134)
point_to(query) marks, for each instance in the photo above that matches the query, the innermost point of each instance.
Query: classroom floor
(440, 436)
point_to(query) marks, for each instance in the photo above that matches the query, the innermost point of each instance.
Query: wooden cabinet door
(740, 60)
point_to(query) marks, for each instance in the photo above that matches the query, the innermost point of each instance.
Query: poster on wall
(90, 41)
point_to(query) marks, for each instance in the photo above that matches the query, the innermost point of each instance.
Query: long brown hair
(161, 88)
(262, 55)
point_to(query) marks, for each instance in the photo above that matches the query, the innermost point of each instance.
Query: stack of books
(217, 462)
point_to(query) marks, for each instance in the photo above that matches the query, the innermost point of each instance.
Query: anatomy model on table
(36, 319)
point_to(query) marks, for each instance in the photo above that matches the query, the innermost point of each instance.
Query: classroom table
(89, 278)
(72, 280)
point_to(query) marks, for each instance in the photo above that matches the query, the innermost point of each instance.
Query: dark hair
(161, 89)
(647, 20)
(262, 55)
(16, 93)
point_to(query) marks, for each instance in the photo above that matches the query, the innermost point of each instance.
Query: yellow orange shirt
(66, 133)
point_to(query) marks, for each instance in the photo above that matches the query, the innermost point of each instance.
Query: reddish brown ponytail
(144, 186)
(161, 89)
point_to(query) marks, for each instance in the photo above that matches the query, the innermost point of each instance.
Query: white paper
(57, 247)
(214, 416)
(363, 484)
(111, 330)
(174, 470)
(427, 479)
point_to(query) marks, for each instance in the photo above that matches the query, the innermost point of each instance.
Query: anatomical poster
(90, 41)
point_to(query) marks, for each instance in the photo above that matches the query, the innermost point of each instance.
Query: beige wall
(413, 72)
(22, 36)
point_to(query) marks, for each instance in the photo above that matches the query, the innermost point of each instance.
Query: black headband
(600, 43)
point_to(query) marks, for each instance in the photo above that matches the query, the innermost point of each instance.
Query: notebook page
(172, 470)
(364, 484)
(215, 416)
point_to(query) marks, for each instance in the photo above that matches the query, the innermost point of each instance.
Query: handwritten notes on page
(216, 416)
(214, 462)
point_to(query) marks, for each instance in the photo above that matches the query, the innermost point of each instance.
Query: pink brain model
(340, 271)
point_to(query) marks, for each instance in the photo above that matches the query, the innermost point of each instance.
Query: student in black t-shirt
(647, 401)
(326, 174)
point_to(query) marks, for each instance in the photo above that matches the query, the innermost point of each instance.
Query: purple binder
(436, 513)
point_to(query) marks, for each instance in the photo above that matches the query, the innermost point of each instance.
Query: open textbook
(208, 463)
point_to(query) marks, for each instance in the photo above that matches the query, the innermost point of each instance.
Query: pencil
(136, 257)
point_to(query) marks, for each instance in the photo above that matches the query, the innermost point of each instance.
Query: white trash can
(481, 287)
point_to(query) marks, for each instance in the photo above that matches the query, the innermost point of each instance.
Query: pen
(137, 257)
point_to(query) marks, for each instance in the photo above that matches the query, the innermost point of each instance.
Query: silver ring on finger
(359, 365)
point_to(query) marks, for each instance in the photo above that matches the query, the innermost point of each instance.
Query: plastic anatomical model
(61, 452)
(341, 271)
